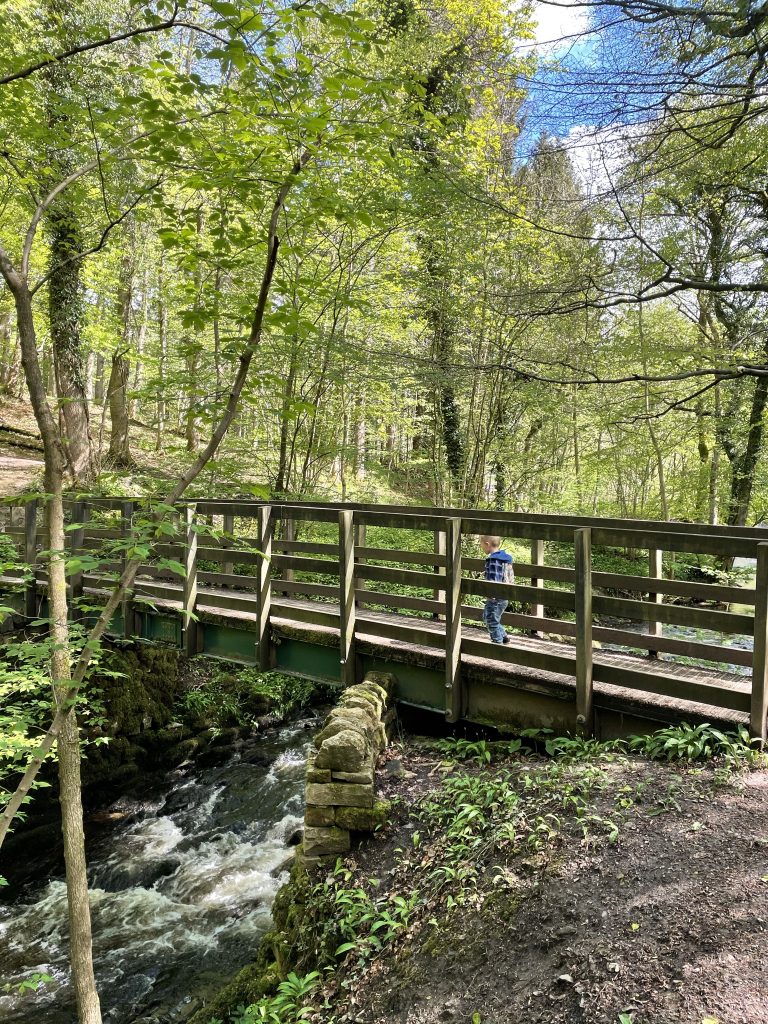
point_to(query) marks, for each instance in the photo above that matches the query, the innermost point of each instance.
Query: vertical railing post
(347, 652)
(454, 697)
(30, 558)
(228, 526)
(289, 534)
(189, 595)
(265, 524)
(126, 607)
(655, 571)
(759, 702)
(80, 513)
(537, 558)
(441, 546)
(360, 534)
(583, 597)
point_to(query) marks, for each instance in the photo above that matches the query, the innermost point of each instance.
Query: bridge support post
(228, 526)
(583, 595)
(759, 702)
(347, 652)
(80, 516)
(360, 535)
(30, 558)
(655, 571)
(189, 595)
(441, 546)
(537, 558)
(289, 535)
(454, 697)
(126, 607)
(265, 524)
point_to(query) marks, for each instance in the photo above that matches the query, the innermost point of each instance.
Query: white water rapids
(180, 897)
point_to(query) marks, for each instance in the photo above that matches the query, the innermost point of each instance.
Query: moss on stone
(364, 819)
(138, 687)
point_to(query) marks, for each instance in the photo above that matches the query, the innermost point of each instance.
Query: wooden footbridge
(319, 590)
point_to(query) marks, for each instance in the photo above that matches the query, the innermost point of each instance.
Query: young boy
(498, 569)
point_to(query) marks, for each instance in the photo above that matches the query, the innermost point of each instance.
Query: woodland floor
(20, 447)
(666, 925)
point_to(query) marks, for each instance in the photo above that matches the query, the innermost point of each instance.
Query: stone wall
(340, 797)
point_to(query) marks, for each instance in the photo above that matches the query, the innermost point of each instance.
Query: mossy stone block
(318, 816)
(383, 679)
(339, 794)
(364, 819)
(364, 778)
(347, 751)
(321, 841)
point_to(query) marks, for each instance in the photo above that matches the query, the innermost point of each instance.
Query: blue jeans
(492, 612)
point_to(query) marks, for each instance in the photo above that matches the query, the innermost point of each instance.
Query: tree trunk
(65, 315)
(68, 754)
(743, 468)
(56, 458)
(65, 300)
(117, 389)
(281, 480)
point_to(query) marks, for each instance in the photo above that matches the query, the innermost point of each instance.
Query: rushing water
(180, 895)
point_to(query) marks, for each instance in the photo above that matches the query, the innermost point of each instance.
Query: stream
(181, 893)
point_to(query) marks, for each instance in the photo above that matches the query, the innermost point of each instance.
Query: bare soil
(666, 925)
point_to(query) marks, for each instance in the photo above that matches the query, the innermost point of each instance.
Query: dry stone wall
(340, 792)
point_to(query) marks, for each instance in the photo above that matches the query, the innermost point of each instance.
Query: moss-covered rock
(138, 686)
(364, 819)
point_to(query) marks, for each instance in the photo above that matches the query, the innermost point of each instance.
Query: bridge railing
(265, 569)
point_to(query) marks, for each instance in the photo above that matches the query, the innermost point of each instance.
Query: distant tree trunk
(65, 300)
(704, 467)
(141, 338)
(281, 479)
(98, 380)
(65, 315)
(744, 465)
(117, 388)
(162, 344)
(360, 439)
(9, 355)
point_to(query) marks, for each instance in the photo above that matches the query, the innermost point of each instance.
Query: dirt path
(16, 473)
(666, 925)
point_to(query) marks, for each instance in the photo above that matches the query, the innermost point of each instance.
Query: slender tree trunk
(68, 755)
(281, 480)
(743, 469)
(69, 751)
(117, 388)
(65, 300)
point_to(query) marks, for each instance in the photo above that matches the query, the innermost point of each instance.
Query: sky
(586, 90)
(555, 24)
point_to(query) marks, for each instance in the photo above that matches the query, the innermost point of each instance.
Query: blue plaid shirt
(494, 566)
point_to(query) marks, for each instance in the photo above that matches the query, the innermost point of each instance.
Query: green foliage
(699, 743)
(239, 696)
(283, 1008)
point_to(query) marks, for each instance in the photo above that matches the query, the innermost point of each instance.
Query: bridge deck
(328, 590)
(318, 623)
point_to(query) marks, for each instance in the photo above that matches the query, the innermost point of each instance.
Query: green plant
(703, 742)
(286, 1007)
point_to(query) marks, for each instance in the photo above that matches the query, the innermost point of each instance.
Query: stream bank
(192, 808)
(552, 881)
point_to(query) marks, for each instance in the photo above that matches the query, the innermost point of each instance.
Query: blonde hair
(493, 541)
